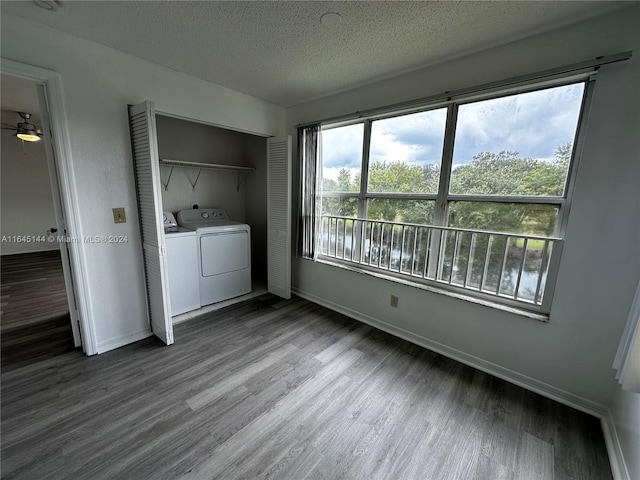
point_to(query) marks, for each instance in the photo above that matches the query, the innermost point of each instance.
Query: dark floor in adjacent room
(34, 320)
(286, 390)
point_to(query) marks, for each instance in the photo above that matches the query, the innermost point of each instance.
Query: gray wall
(626, 414)
(98, 84)
(600, 267)
(194, 142)
(26, 202)
(571, 356)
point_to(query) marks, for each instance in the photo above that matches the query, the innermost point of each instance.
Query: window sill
(441, 291)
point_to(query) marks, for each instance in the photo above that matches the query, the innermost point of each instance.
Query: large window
(472, 195)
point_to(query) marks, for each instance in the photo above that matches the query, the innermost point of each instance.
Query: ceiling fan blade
(6, 126)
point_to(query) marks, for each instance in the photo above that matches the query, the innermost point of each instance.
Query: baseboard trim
(616, 457)
(496, 370)
(123, 340)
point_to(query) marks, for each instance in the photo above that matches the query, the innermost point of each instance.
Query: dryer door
(224, 252)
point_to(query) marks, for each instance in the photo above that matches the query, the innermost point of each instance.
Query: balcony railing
(514, 269)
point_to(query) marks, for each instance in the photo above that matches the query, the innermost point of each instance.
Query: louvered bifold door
(144, 144)
(279, 216)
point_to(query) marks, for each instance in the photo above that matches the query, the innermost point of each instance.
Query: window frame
(443, 198)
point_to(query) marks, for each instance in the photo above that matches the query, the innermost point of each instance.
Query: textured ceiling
(280, 52)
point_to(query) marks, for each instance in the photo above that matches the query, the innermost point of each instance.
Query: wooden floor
(34, 320)
(284, 390)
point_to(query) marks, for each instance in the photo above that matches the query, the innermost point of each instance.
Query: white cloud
(415, 138)
(342, 147)
(533, 124)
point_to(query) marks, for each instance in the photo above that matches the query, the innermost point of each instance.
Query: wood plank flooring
(275, 389)
(34, 320)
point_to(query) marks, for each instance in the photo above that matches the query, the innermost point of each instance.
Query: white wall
(27, 205)
(194, 142)
(626, 413)
(600, 266)
(98, 84)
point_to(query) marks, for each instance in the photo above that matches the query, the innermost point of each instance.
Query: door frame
(60, 223)
(52, 83)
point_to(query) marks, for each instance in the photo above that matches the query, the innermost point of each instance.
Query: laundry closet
(208, 176)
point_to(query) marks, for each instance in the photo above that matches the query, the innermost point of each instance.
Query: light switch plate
(119, 215)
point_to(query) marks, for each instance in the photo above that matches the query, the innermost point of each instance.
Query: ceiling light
(27, 131)
(28, 136)
(331, 20)
(24, 130)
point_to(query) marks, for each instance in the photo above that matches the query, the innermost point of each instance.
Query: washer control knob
(205, 214)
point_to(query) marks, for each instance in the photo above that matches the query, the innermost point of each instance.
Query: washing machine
(224, 253)
(182, 266)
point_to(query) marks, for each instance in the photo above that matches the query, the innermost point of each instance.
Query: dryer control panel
(201, 217)
(212, 214)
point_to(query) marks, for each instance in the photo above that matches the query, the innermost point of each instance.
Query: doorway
(39, 314)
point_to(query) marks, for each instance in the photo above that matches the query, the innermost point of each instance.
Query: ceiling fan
(24, 130)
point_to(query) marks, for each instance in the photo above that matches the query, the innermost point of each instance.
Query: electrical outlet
(394, 301)
(119, 215)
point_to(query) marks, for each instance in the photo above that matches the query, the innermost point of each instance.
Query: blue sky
(533, 123)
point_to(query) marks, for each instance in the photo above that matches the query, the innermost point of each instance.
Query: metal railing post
(426, 237)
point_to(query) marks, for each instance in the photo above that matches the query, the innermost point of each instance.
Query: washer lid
(168, 220)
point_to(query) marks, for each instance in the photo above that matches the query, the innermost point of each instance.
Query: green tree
(329, 185)
(395, 177)
(503, 173)
(431, 177)
(340, 206)
(549, 178)
(400, 177)
(506, 173)
(343, 184)
(492, 174)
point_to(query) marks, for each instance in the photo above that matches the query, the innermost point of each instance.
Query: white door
(142, 120)
(224, 252)
(58, 211)
(279, 216)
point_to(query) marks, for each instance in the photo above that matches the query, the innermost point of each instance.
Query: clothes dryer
(224, 253)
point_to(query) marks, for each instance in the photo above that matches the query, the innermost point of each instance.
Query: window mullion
(364, 175)
(578, 143)
(440, 214)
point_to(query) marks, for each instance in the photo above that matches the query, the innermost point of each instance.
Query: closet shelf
(202, 166)
(206, 166)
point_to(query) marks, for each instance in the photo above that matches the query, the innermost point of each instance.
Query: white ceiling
(18, 95)
(279, 51)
